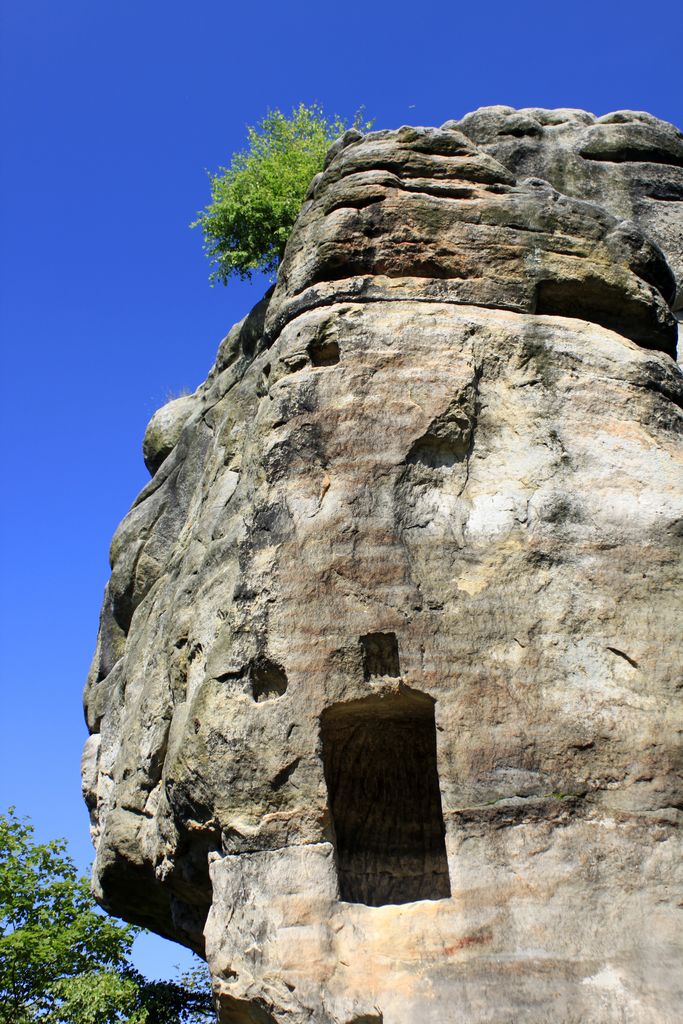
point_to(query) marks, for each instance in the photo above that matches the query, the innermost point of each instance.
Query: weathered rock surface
(628, 162)
(385, 707)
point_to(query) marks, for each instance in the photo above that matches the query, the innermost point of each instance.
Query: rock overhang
(425, 213)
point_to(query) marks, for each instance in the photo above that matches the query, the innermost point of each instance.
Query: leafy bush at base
(64, 962)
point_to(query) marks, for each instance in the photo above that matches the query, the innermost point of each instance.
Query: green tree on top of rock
(64, 962)
(255, 201)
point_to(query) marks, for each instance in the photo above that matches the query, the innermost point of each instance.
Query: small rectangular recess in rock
(324, 352)
(379, 758)
(380, 655)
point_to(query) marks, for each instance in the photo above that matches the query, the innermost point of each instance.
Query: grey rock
(385, 706)
(164, 430)
(421, 213)
(628, 162)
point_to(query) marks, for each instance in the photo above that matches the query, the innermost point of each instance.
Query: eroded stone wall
(385, 708)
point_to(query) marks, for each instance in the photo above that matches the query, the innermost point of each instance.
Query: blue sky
(111, 112)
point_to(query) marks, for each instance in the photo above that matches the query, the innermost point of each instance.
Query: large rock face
(384, 705)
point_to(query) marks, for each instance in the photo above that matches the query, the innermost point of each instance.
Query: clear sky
(112, 110)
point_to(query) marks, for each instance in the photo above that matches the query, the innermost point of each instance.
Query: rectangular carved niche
(379, 756)
(380, 655)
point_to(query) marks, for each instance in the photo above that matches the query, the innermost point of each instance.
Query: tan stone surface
(417, 544)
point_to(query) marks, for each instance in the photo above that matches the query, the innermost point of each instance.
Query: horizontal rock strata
(385, 708)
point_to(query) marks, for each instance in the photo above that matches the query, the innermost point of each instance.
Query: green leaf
(255, 201)
(62, 961)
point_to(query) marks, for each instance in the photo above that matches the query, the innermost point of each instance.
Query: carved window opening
(380, 655)
(379, 756)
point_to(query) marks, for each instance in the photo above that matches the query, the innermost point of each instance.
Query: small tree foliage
(256, 200)
(64, 962)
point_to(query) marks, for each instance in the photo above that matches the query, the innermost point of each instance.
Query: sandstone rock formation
(385, 708)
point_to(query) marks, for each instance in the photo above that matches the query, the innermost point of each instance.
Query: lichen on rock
(385, 707)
